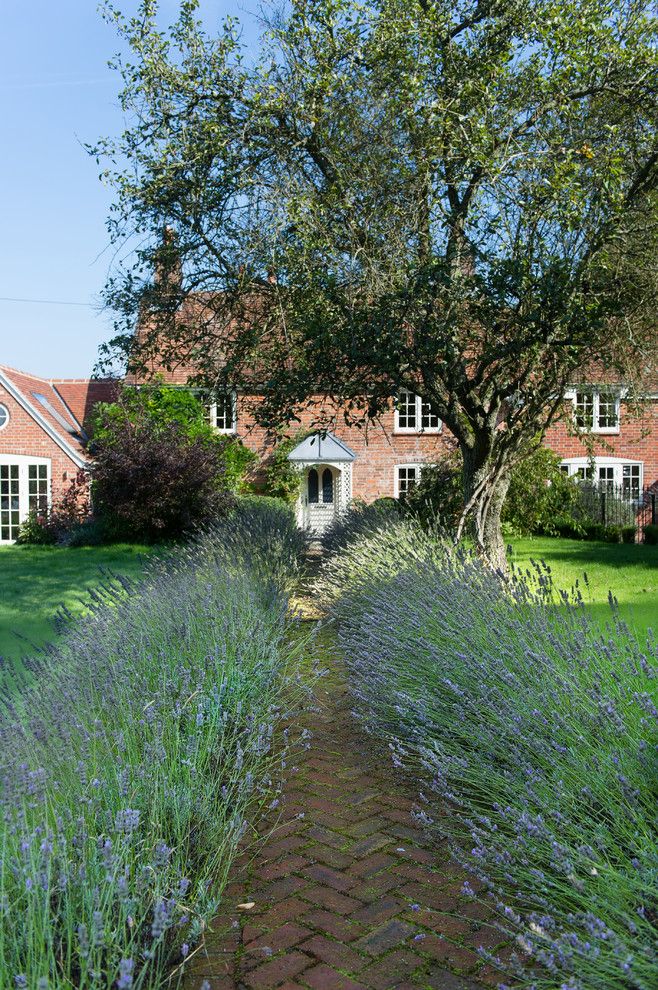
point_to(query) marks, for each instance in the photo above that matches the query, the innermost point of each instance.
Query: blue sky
(56, 93)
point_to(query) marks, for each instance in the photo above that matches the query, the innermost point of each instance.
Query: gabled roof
(322, 447)
(82, 394)
(44, 400)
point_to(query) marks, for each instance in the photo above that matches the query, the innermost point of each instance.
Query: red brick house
(42, 440)
(604, 442)
(387, 459)
(43, 443)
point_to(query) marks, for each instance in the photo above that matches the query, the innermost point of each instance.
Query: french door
(24, 487)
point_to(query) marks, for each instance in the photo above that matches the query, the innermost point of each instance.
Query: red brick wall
(22, 435)
(378, 449)
(637, 440)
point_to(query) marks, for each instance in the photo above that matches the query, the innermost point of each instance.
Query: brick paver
(348, 892)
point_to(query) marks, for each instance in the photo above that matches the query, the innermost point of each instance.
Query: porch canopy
(321, 447)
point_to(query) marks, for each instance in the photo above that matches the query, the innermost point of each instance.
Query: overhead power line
(45, 302)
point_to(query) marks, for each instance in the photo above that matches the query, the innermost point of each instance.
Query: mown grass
(36, 581)
(630, 572)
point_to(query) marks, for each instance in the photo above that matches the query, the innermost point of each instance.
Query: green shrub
(541, 498)
(531, 738)
(35, 531)
(282, 477)
(603, 532)
(143, 747)
(162, 407)
(540, 492)
(568, 528)
(238, 461)
(437, 499)
(628, 534)
(651, 534)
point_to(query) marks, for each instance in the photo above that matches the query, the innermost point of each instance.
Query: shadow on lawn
(577, 552)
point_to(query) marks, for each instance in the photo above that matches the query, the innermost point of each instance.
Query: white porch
(325, 483)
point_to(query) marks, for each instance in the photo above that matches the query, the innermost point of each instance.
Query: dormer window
(223, 413)
(413, 415)
(596, 410)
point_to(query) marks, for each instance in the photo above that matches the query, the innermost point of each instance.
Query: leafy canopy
(451, 197)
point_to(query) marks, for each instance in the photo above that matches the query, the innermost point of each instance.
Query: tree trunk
(485, 487)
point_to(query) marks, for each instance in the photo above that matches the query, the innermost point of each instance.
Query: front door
(319, 499)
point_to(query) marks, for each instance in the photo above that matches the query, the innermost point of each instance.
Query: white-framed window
(413, 415)
(615, 475)
(24, 488)
(596, 410)
(223, 413)
(4, 416)
(407, 477)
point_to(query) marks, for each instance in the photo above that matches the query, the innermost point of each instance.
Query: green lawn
(35, 581)
(630, 572)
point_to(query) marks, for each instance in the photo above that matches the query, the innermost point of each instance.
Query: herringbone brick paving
(348, 892)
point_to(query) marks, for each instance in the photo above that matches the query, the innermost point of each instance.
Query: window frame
(24, 462)
(418, 416)
(5, 408)
(231, 430)
(418, 465)
(596, 393)
(616, 464)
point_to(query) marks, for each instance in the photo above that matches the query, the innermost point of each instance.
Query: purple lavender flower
(126, 970)
(127, 820)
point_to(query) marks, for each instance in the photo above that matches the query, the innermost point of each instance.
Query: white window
(4, 416)
(223, 413)
(412, 415)
(613, 475)
(596, 410)
(407, 477)
(24, 488)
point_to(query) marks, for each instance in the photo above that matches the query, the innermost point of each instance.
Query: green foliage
(33, 531)
(160, 468)
(162, 406)
(282, 478)
(456, 197)
(526, 728)
(628, 534)
(155, 732)
(238, 460)
(540, 498)
(651, 534)
(438, 498)
(539, 493)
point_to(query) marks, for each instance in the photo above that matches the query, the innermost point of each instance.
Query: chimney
(168, 270)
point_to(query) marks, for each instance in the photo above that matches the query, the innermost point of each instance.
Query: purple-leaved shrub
(533, 737)
(135, 754)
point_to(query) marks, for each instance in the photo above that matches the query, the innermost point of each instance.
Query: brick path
(348, 893)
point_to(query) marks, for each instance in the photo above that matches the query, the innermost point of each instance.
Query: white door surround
(24, 486)
(325, 467)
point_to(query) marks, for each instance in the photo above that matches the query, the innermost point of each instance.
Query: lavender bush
(131, 763)
(534, 741)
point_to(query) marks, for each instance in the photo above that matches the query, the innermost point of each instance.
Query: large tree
(448, 196)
